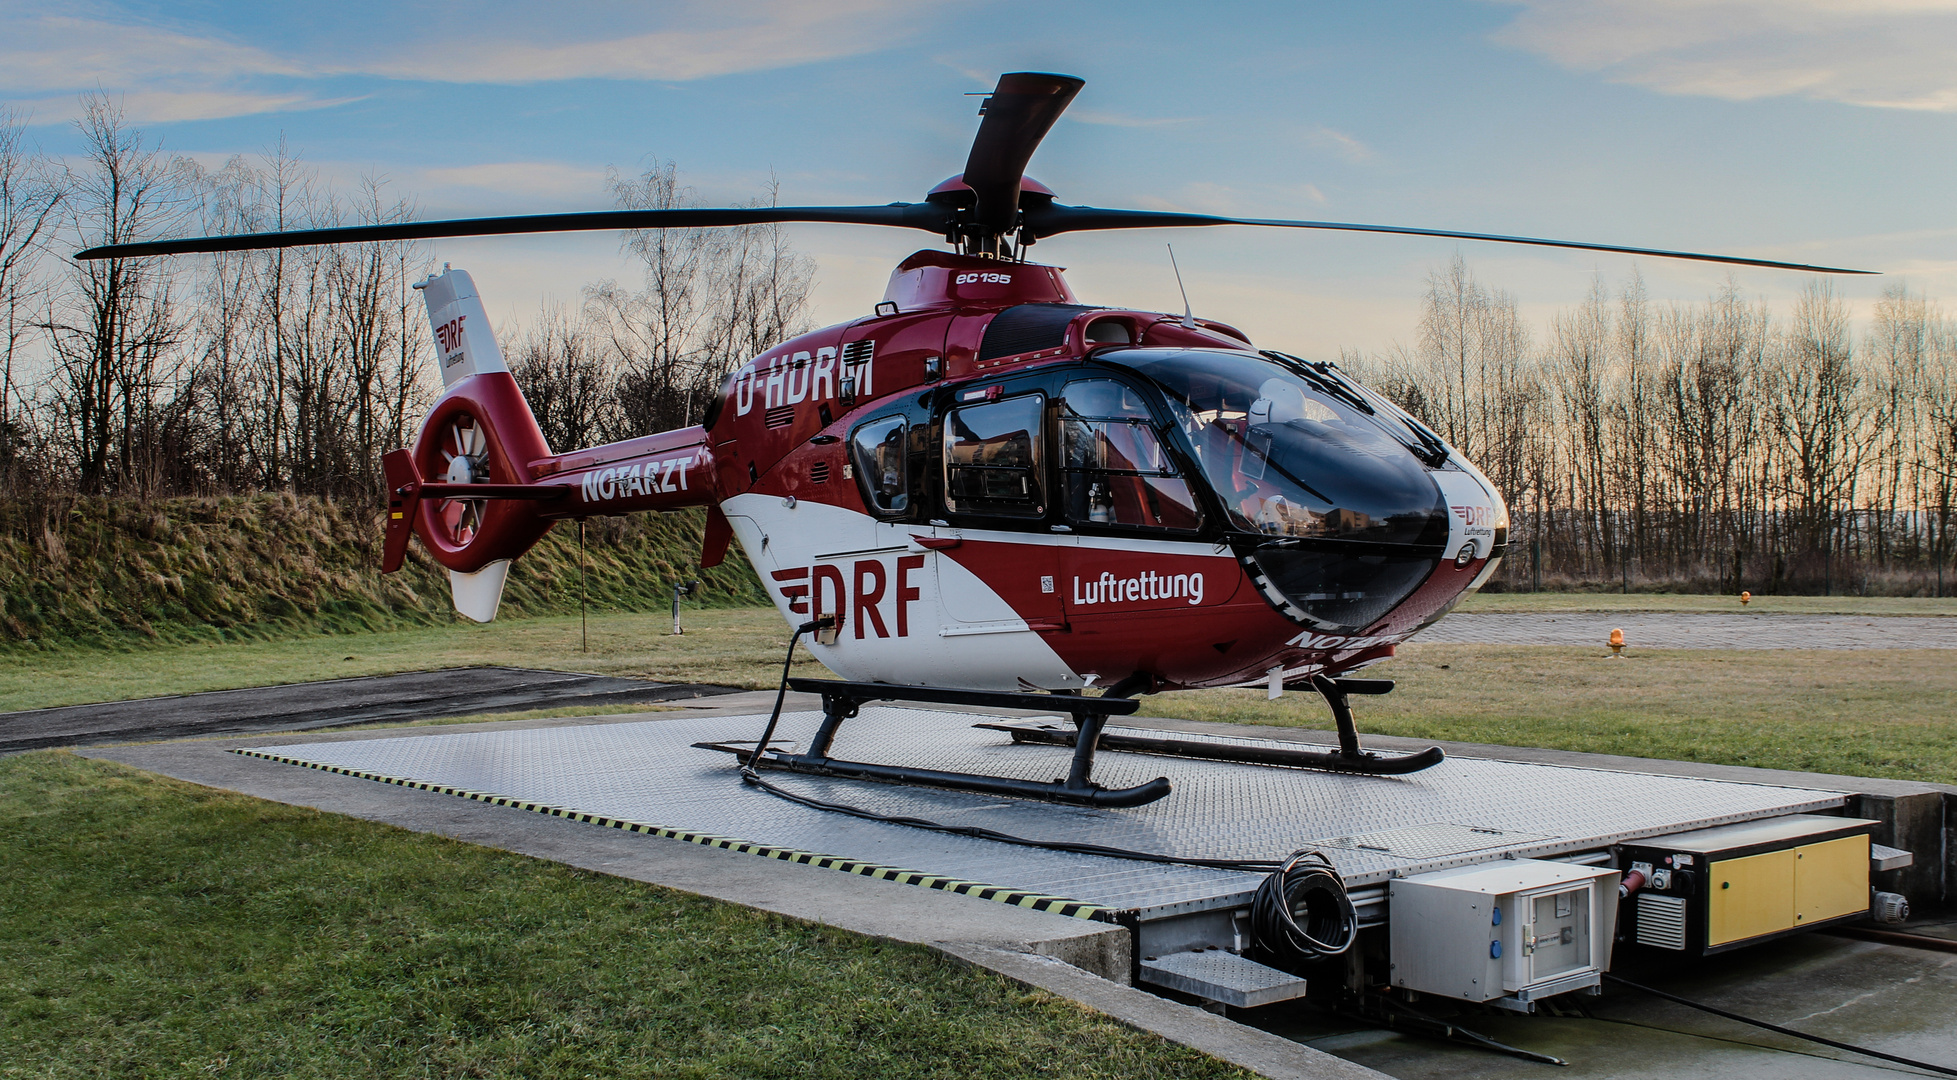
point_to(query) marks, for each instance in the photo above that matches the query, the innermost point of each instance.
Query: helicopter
(988, 488)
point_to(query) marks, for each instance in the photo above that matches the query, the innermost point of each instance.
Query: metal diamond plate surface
(1434, 841)
(649, 772)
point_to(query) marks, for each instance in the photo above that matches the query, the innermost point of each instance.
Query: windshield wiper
(1436, 448)
(1431, 449)
(1322, 379)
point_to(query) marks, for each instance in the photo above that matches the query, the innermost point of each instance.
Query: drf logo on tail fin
(449, 334)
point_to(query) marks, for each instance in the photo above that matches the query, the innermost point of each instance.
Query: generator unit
(1508, 933)
(1712, 890)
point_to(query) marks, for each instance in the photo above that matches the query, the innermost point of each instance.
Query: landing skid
(1347, 758)
(842, 700)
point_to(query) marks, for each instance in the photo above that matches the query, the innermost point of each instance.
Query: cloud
(1108, 119)
(1338, 142)
(981, 78)
(1210, 197)
(60, 52)
(543, 179)
(164, 106)
(157, 74)
(1896, 54)
(189, 72)
(758, 37)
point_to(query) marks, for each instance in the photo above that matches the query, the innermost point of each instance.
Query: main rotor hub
(955, 192)
(973, 238)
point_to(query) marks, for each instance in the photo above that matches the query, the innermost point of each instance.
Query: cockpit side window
(1114, 470)
(993, 458)
(877, 449)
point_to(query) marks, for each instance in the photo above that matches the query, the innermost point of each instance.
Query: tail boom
(668, 471)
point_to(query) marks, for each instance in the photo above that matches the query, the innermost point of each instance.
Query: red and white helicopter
(987, 484)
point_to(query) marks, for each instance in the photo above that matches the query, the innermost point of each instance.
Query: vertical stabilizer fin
(478, 595)
(713, 545)
(403, 496)
(465, 344)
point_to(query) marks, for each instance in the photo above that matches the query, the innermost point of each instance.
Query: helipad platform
(648, 777)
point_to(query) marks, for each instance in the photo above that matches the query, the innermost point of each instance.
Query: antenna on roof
(1188, 320)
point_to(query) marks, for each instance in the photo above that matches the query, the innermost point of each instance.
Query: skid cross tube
(842, 700)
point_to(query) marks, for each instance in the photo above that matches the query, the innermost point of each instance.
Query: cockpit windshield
(1354, 522)
(1290, 459)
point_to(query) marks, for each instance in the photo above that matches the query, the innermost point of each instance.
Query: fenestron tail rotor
(1017, 116)
(466, 451)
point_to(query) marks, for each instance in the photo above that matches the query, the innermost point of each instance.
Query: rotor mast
(1021, 110)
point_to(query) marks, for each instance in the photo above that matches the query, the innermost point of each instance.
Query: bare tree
(1820, 421)
(113, 324)
(561, 367)
(1581, 353)
(709, 299)
(372, 333)
(29, 197)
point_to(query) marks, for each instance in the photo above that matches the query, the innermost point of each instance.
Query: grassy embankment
(115, 573)
(155, 928)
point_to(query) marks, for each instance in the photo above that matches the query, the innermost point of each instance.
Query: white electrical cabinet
(1509, 933)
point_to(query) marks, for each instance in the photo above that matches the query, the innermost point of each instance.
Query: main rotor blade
(1017, 116)
(926, 216)
(1050, 220)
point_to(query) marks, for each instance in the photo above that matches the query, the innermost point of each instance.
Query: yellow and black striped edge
(1056, 905)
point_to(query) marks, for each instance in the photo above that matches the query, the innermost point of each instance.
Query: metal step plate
(1224, 977)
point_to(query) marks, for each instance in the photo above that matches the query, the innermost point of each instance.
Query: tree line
(1706, 446)
(296, 368)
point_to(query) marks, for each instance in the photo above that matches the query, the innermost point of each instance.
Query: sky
(1818, 131)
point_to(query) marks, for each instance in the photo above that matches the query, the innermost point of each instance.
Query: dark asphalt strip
(333, 703)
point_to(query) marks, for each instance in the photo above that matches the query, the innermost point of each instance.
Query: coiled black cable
(1310, 882)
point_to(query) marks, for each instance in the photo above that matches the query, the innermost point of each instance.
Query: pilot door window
(992, 458)
(1114, 470)
(878, 452)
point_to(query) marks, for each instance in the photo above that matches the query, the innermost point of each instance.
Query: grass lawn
(1870, 713)
(1550, 602)
(155, 928)
(1857, 712)
(728, 646)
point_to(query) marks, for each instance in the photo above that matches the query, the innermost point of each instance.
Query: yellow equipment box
(1716, 889)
